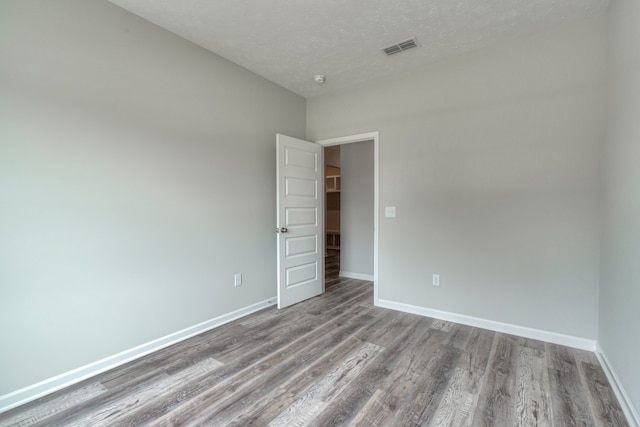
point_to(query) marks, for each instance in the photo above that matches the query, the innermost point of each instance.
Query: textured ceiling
(288, 41)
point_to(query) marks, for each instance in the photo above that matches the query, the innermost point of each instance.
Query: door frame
(362, 137)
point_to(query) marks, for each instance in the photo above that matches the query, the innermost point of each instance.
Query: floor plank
(322, 393)
(345, 407)
(391, 395)
(569, 400)
(533, 400)
(561, 358)
(55, 406)
(460, 400)
(348, 359)
(601, 397)
(496, 401)
(430, 387)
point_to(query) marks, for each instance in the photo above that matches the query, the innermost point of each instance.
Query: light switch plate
(390, 211)
(435, 280)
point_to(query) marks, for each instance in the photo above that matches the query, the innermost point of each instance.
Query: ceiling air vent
(401, 47)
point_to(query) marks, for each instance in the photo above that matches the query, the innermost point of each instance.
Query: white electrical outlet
(390, 211)
(435, 280)
(237, 279)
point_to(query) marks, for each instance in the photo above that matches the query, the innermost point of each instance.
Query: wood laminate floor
(338, 360)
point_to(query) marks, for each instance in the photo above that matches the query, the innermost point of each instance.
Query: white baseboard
(358, 276)
(625, 401)
(35, 391)
(552, 337)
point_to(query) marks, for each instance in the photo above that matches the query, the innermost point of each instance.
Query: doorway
(351, 185)
(332, 217)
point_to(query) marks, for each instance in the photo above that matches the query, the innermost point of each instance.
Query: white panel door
(300, 216)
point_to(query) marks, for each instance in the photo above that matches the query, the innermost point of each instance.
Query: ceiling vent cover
(401, 46)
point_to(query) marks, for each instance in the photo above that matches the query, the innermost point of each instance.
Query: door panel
(300, 224)
(301, 187)
(302, 274)
(298, 246)
(301, 217)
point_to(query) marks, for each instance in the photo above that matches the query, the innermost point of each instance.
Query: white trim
(35, 391)
(375, 137)
(552, 337)
(359, 276)
(625, 401)
(361, 137)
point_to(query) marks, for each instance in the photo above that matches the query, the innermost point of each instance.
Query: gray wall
(620, 280)
(332, 156)
(132, 165)
(356, 215)
(492, 160)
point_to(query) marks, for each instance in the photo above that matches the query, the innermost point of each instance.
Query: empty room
(174, 250)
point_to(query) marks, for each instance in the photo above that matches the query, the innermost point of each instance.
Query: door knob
(282, 230)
